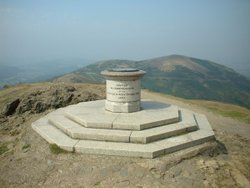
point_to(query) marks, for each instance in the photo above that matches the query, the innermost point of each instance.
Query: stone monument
(123, 124)
(123, 90)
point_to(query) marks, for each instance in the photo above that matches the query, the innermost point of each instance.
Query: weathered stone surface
(120, 149)
(61, 131)
(70, 88)
(10, 108)
(149, 135)
(153, 114)
(203, 122)
(26, 105)
(123, 90)
(122, 107)
(53, 97)
(40, 107)
(91, 117)
(76, 131)
(148, 117)
(53, 135)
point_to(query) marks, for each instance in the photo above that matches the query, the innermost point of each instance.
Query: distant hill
(181, 76)
(243, 68)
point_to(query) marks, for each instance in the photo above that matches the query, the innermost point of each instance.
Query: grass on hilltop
(227, 110)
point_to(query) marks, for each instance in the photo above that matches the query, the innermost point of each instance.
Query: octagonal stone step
(76, 131)
(153, 114)
(186, 124)
(151, 150)
(53, 135)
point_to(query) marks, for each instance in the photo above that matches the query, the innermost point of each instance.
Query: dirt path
(30, 163)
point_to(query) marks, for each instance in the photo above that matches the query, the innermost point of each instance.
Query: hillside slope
(177, 75)
(27, 160)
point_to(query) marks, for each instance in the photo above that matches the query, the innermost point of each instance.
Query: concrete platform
(186, 124)
(152, 114)
(190, 130)
(76, 131)
(52, 135)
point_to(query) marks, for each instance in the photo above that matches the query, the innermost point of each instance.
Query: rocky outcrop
(10, 108)
(52, 97)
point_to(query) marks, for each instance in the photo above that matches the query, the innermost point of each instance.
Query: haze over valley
(27, 70)
(136, 30)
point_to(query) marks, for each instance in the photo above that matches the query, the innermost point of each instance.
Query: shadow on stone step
(153, 105)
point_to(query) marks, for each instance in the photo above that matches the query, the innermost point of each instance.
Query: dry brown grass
(227, 110)
(17, 91)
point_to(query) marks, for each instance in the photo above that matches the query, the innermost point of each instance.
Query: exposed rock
(37, 92)
(55, 92)
(40, 107)
(10, 108)
(42, 99)
(69, 98)
(25, 105)
(2, 119)
(56, 101)
(70, 88)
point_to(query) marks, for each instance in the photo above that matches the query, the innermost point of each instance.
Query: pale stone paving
(57, 128)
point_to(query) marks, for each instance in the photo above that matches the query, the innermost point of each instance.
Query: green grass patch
(26, 146)
(55, 149)
(97, 183)
(3, 149)
(239, 115)
(227, 110)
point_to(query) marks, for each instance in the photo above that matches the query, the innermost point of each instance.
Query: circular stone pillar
(123, 90)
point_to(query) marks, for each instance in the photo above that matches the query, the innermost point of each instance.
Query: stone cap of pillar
(123, 74)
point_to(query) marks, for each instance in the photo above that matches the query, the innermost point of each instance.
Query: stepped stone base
(122, 107)
(155, 130)
(93, 115)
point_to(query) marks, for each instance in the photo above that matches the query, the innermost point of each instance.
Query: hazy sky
(217, 30)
